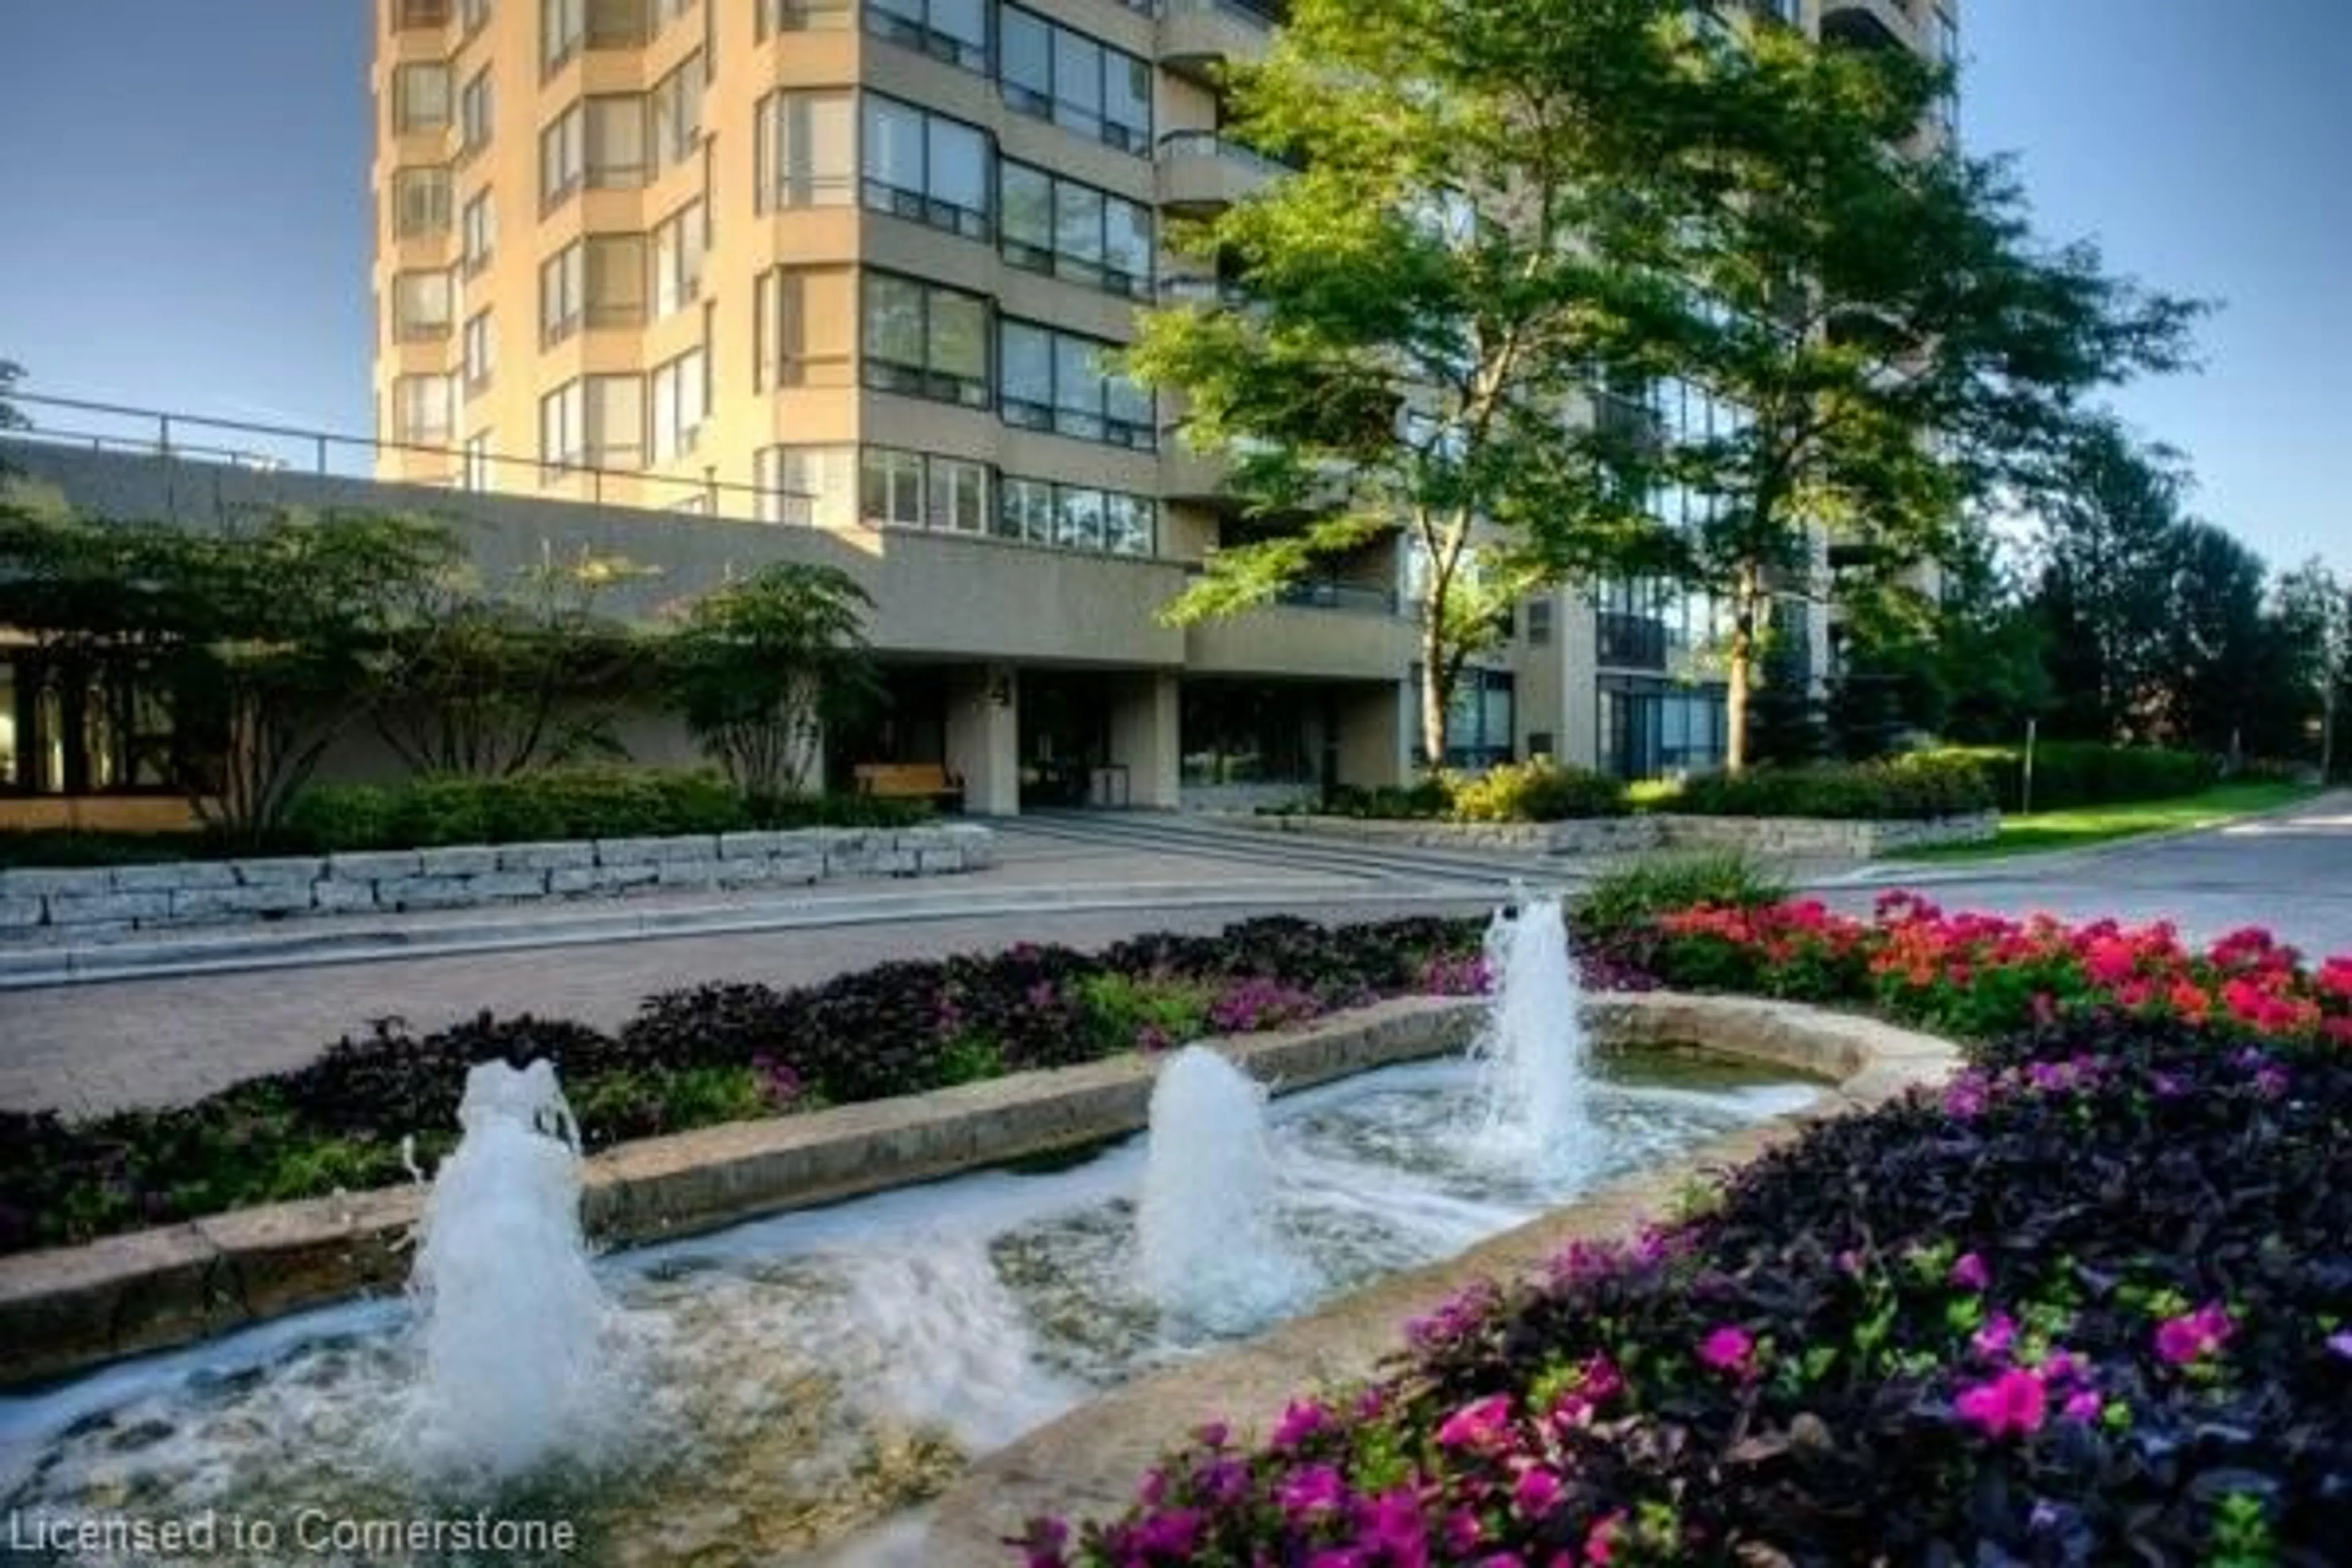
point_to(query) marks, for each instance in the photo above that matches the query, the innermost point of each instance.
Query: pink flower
(2340, 1343)
(1729, 1349)
(1537, 1492)
(2193, 1336)
(1995, 1337)
(1301, 1419)
(2083, 1405)
(1601, 1540)
(1969, 1273)
(1463, 1532)
(1390, 1527)
(2015, 1402)
(1482, 1424)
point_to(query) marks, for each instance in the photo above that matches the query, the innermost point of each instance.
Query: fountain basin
(811, 1373)
(1086, 1462)
(68, 1310)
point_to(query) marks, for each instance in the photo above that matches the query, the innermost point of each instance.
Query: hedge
(1922, 785)
(2082, 773)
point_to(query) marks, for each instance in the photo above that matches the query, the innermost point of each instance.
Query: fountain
(514, 1331)
(1205, 1228)
(1533, 1084)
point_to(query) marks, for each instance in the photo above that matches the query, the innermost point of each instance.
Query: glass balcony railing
(1177, 144)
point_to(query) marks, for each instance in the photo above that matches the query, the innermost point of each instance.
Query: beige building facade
(851, 267)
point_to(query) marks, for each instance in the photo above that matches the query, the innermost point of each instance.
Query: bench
(910, 781)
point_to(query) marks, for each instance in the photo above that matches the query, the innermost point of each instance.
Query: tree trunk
(1742, 670)
(1434, 688)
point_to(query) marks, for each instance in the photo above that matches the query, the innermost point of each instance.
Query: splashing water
(515, 1336)
(1534, 1076)
(1205, 1228)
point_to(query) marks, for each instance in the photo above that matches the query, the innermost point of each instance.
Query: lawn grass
(2045, 831)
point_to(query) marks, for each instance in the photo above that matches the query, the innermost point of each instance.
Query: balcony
(1868, 24)
(1198, 37)
(1202, 172)
(1286, 639)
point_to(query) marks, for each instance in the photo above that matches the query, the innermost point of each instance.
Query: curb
(1992, 867)
(97, 963)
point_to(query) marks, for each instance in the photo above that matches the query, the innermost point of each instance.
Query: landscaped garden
(2090, 1304)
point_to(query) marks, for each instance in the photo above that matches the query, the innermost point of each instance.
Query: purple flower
(2014, 1402)
(2193, 1336)
(1969, 1273)
(1995, 1337)
(1154, 1489)
(1729, 1349)
(1463, 1532)
(1225, 1483)
(1481, 1424)
(1043, 1543)
(1967, 1095)
(1312, 1492)
(2271, 1082)
(2084, 1405)
(1391, 1525)
(1301, 1419)
(1171, 1535)
(1213, 1434)
(1537, 1493)
(2340, 1343)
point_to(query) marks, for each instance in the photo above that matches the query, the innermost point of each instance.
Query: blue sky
(189, 222)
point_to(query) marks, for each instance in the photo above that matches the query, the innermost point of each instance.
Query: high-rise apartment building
(850, 267)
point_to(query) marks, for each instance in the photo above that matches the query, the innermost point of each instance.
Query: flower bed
(2090, 1304)
(701, 1056)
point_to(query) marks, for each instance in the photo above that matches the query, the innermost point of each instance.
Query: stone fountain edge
(1087, 1463)
(65, 1310)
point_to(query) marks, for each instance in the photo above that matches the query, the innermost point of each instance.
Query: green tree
(760, 668)
(1449, 271)
(287, 645)
(2110, 525)
(489, 684)
(11, 417)
(2224, 683)
(2313, 609)
(1895, 340)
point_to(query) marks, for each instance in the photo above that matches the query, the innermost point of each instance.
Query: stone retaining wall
(1789, 836)
(68, 1309)
(102, 902)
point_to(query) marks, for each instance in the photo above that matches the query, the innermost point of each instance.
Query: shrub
(1923, 785)
(1430, 797)
(1147, 1012)
(2081, 773)
(1539, 791)
(2088, 1309)
(1623, 904)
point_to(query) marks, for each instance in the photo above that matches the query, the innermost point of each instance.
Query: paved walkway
(89, 1048)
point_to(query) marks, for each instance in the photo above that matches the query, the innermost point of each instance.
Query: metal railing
(1261, 16)
(1630, 642)
(171, 436)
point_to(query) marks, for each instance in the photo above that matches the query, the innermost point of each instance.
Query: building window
(420, 98)
(420, 202)
(1539, 623)
(681, 242)
(83, 721)
(681, 396)
(596, 282)
(925, 167)
(1055, 381)
(479, 226)
(424, 305)
(1058, 74)
(674, 109)
(480, 354)
(925, 340)
(419, 13)
(806, 153)
(563, 28)
(421, 410)
(1073, 231)
(477, 113)
(597, 422)
(890, 488)
(618, 151)
(668, 11)
(803, 15)
(1076, 518)
(476, 474)
(1480, 715)
(955, 31)
(804, 327)
(959, 495)
(815, 485)
(563, 158)
(476, 14)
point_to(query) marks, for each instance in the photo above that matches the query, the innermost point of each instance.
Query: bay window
(806, 150)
